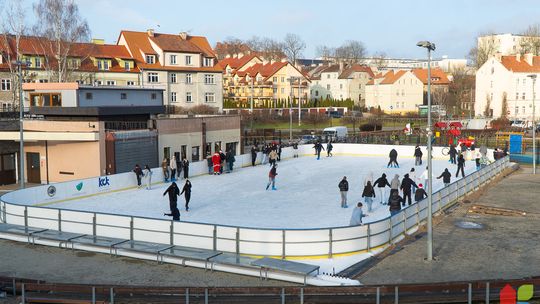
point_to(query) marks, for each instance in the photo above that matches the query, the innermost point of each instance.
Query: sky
(390, 26)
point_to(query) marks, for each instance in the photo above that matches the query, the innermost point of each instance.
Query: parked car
(335, 133)
(307, 139)
(334, 114)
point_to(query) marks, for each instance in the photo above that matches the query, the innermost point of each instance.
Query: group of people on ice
(319, 147)
(174, 169)
(174, 192)
(219, 160)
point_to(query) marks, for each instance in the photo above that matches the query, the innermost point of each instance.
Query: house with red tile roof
(341, 82)
(185, 66)
(395, 92)
(507, 78)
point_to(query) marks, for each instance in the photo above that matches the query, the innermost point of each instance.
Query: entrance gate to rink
(279, 243)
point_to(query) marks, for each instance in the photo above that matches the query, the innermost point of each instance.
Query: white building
(395, 92)
(506, 44)
(507, 76)
(340, 82)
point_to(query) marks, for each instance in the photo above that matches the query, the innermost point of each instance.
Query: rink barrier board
(295, 244)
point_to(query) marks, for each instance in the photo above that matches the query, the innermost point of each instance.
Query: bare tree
(267, 48)
(325, 52)
(461, 89)
(486, 46)
(504, 106)
(379, 60)
(531, 40)
(293, 45)
(352, 51)
(13, 28)
(61, 27)
(231, 46)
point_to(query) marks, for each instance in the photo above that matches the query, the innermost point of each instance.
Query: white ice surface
(307, 195)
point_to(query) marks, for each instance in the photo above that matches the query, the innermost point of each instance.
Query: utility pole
(21, 124)
(299, 103)
(533, 76)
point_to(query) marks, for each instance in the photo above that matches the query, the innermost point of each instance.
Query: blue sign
(104, 181)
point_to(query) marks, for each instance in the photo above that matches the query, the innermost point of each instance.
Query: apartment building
(184, 66)
(395, 92)
(507, 78)
(505, 44)
(341, 82)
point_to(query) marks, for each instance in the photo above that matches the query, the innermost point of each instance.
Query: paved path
(507, 248)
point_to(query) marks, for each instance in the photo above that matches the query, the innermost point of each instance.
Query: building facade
(395, 92)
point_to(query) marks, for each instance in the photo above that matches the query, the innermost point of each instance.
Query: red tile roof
(522, 66)
(391, 77)
(438, 76)
(265, 70)
(237, 63)
(356, 68)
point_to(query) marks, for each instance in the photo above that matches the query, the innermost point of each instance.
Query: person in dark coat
(318, 148)
(254, 151)
(138, 172)
(272, 178)
(395, 203)
(278, 152)
(393, 159)
(418, 156)
(343, 188)
(173, 192)
(230, 160)
(186, 190)
(460, 165)
(222, 157)
(381, 183)
(210, 164)
(420, 193)
(175, 213)
(368, 194)
(329, 148)
(446, 175)
(452, 153)
(406, 184)
(295, 149)
(185, 167)
(178, 166)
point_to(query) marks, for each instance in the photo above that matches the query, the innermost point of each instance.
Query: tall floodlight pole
(430, 47)
(533, 76)
(299, 103)
(21, 127)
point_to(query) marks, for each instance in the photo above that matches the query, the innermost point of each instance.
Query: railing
(283, 243)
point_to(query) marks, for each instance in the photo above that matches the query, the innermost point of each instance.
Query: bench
(61, 236)
(97, 241)
(285, 266)
(141, 246)
(189, 253)
(20, 230)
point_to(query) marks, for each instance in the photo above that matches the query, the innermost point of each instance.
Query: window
(188, 97)
(131, 83)
(402, 92)
(403, 104)
(316, 93)
(274, 79)
(103, 65)
(173, 78)
(151, 59)
(208, 62)
(188, 60)
(188, 79)
(282, 90)
(153, 77)
(209, 79)
(397, 105)
(127, 67)
(172, 59)
(523, 110)
(274, 90)
(99, 65)
(173, 96)
(5, 85)
(123, 95)
(97, 82)
(38, 62)
(524, 82)
(397, 92)
(340, 86)
(47, 80)
(516, 110)
(195, 153)
(491, 84)
(522, 96)
(209, 97)
(517, 95)
(282, 79)
(153, 96)
(111, 82)
(328, 87)
(46, 100)
(327, 76)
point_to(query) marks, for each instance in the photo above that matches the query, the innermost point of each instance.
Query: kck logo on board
(104, 181)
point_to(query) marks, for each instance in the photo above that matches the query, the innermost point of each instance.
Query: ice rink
(307, 194)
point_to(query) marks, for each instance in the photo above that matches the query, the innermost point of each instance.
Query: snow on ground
(307, 195)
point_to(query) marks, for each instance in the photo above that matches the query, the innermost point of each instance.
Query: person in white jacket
(148, 176)
(424, 179)
(173, 169)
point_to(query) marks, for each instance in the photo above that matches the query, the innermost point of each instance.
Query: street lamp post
(533, 77)
(19, 65)
(430, 47)
(291, 81)
(299, 103)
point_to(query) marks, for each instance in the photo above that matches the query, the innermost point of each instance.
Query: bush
(500, 123)
(371, 126)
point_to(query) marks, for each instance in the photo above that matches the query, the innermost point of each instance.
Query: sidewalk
(506, 248)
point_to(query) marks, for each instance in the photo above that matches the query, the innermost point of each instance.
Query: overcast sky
(390, 26)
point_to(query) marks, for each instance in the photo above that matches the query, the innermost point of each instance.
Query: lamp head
(532, 76)
(426, 44)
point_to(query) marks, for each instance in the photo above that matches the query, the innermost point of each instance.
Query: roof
(50, 86)
(391, 77)
(438, 76)
(511, 63)
(265, 70)
(356, 68)
(236, 63)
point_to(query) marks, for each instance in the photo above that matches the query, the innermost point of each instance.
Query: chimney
(272, 61)
(98, 41)
(240, 55)
(529, 58)
(498, 56)
(150, 32)
(284, 60)
(235, 55)
(228, 56)
(518, 57)
(265, 62)
(183, 35)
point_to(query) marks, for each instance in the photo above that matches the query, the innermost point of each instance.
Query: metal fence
(282, 243)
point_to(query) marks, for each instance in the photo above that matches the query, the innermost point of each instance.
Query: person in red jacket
(272, 177)
(216, 160)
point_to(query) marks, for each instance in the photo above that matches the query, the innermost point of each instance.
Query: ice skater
(173, 169)
(229, 157)
(418, 156)
(186, 190)
(165, 168)
(357, 215)
(254, 151)
(420, 193)
(173, 192)
(393, 159)
(139, 174)
(460, 165)
(406, 184)
(395, 184)
(368, 194)
(381, 183)
(343, 189)
(216, 160)
(446, 175)
(424, 177)
(175, 213)
(273, 156)
(329, 148)
(295, 149)
(452, 152)
(395, 203)
(148, 177)
(272, 178)
(318, 148)
(185, 167)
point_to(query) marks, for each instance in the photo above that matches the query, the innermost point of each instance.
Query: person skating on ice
(295, 149)
(139, 174)
(446, 175)
(173, 192)
(165, 169)
(357, 215)
(368, 194)
(393, 159)
(329, 148)
(175, 213)
(418, 156)
(186, 190)
(452, 152)
(273, 156)
(394, 184)
(148, 176)
(185, 167)
(395, 203)
(420, 193)
(318, 148)
(460, 165)
(229, 157)
(216, 160)
(343, 188)
(381, 183)
(253, 151)
(272, 178)
(173, 169)
(406, 184)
